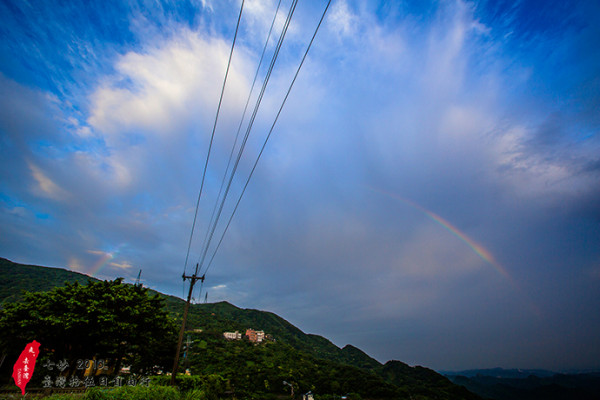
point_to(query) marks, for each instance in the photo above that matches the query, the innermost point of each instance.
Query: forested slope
(309, 362)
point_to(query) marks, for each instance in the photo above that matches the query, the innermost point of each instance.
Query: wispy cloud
(122, 265)
(45, 186)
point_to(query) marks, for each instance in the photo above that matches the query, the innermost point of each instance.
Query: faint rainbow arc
(104, 259)
(477, 248)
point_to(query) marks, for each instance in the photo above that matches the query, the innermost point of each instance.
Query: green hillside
(15, 278)
(262, 368)
(354, 356)
(413, 378)
(217, 317)
(310, 362)
(222, 316)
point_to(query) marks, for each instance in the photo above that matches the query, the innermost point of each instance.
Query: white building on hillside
(232, 335)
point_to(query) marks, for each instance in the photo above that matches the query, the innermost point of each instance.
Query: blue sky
(430, 192)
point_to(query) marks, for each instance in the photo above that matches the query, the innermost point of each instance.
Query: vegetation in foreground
(124, 393)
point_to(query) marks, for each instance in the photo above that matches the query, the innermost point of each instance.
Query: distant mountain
(499, 384)
(316, 360)
(501, 373)
(437, 386)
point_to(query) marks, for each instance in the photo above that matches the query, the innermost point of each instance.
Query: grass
(119, 393)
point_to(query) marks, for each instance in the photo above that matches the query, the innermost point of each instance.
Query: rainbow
(101, 263)
(477, 248)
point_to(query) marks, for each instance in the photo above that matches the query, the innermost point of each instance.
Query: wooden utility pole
(137, 281)
(193, 280)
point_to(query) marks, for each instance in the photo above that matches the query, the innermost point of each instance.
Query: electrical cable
(241, 123)
(268, 136)
(211, 141)
(250, 124)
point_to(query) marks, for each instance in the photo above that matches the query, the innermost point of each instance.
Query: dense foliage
(261, 369)
(106, 320)
(222, 316)
(423, 382)
(120, 393)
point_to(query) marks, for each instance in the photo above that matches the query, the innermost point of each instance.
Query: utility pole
(291, 386)
(193, 280)
(137, 281)
(186, 353)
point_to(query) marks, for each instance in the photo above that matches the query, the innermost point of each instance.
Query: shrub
(212, 386)
(195, 394)
(183, 382)
(133, 393)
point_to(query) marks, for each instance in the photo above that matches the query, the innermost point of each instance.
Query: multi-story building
(232, 335)
(255, 336)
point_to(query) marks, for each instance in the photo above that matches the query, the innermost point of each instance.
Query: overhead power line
(212, 217)
(212, 136)
(268, 136)
(249, 128)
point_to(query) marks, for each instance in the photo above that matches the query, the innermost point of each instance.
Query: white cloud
(531, 173)
(167, 86)
(18, 211)
(342, 20)
(98, 252)
(207, 4)
(45, 185)
(121, 265)
(163, 100)
(74, 264)
(451, 44)
(259, 15)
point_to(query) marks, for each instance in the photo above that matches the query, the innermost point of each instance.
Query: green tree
(104, 320)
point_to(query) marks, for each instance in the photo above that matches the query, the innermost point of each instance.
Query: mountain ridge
(215, 318)
(210, 316)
